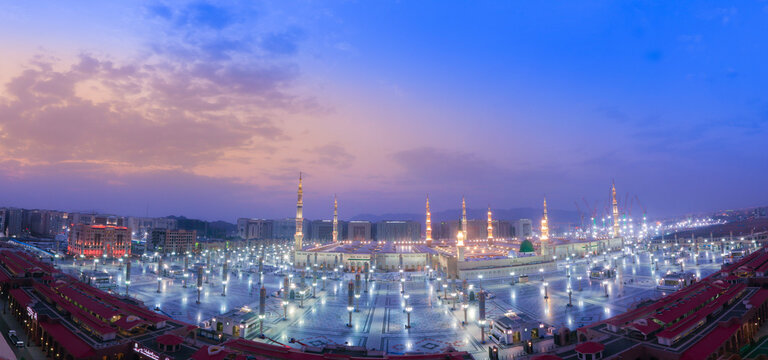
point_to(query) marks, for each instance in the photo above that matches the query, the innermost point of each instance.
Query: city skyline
(211, 110)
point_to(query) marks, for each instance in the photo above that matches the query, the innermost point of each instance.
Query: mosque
(460, 259)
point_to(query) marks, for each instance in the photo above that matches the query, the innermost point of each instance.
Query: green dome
(526, 247)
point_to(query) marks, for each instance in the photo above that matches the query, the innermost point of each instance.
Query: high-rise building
(14, 219)
(392, 230)
(523, 228)
(359, 230)
(285, 229)
(321, 230)
(476, 229)
(3, 214)
(142, 226)
(255, 229)
(172, 241)
(98, 240)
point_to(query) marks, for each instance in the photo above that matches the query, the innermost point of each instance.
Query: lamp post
(184, 280)
(454, 295)
(570, 292)
(445, 291)
(480, 277)
(405, 297)
(605, 284)
(349, 310)
(512, 278)
(285, 309)
(301, 299)
(159, 283)
(402, 285)
(482, 331)
(408, 310)
(546, 293)
(465, 306)
(579, 280)
(324, 278)
(541, 271)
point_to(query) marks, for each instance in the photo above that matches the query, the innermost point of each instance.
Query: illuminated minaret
(299, 236)
(464, 217)
(615, 210)
(490, 227)
(335, 219)
(429, 225)
(545, 223)
(544, 230)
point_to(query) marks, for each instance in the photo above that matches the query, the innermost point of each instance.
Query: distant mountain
(555, 215)
(213, 229)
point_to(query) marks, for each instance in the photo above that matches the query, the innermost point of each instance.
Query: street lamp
(159, 282)
(541, 271)
(512, 278)
(465, 306)
(406, 296)
(546, 294)
(285, 310)
(570, 292)
(350, 309)
(579, 280)
(605, 284)
(482, 330)
(408, 310)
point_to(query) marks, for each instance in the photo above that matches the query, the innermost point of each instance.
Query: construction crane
(581, 215)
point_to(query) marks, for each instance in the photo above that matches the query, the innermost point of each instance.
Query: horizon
(211, 110)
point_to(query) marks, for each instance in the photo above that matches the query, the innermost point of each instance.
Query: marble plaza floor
(381, 319)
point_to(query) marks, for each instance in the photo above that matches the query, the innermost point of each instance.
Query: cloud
(197, 93)
(333, 155)
(152, 118)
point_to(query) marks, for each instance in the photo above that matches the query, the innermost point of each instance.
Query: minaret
(335, 219)
(490, 227)
(298, 237)
(429, 225)
(464, 217)
(615, 210)
(544, 230)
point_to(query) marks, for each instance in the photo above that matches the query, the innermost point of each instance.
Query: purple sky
(210, 110)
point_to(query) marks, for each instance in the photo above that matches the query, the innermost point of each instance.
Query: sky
(211, 109)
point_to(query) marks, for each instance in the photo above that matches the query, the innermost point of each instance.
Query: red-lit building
(98, 240)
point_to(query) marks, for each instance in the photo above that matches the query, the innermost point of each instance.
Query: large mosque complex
(462, 258)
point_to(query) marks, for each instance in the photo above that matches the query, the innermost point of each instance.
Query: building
(522, 228)
(142, 226)
(3, 214)
(393, 230)
(320, 230)
(99, 240)
(284, 229)
(709, 319)
(359, 231)
(476, 229)
(255, 229)
(14, 219)
(171, 241)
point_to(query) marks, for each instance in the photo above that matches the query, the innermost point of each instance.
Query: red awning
(589, 347)
(78, 348)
